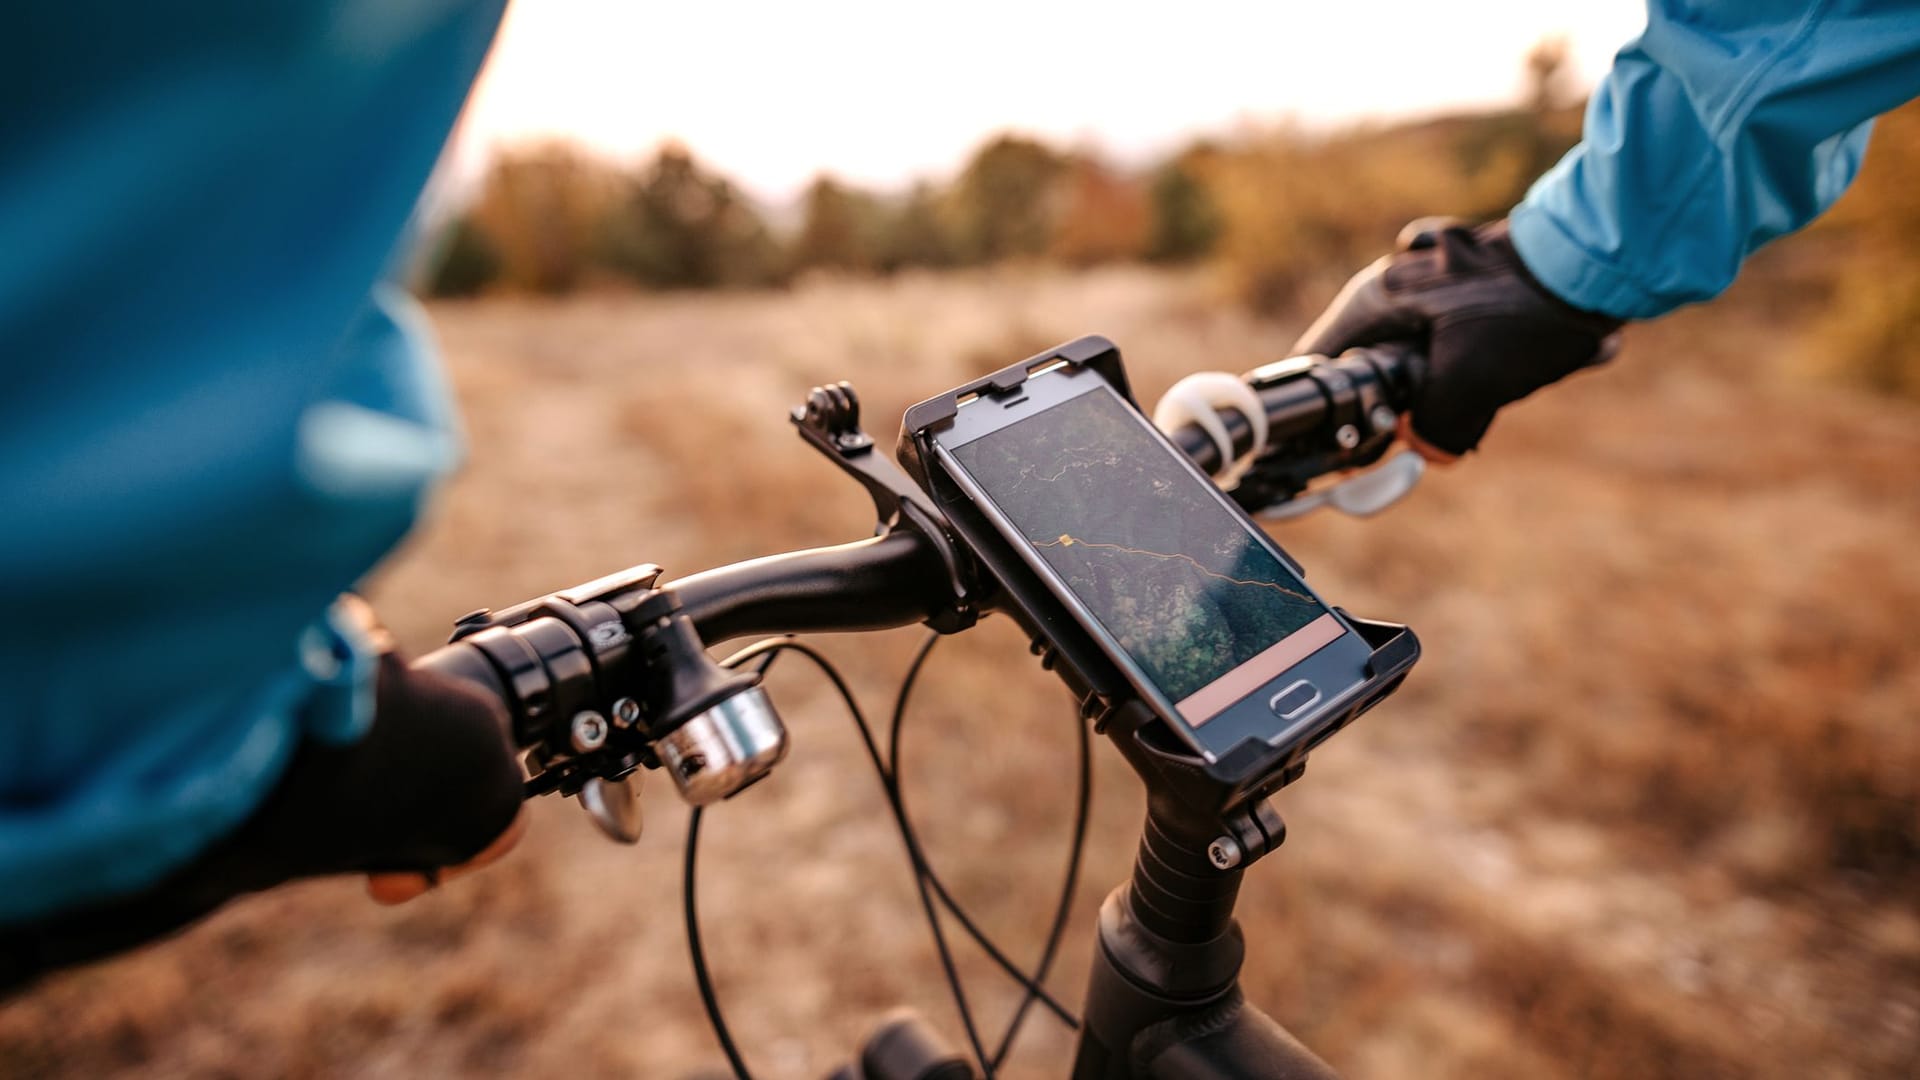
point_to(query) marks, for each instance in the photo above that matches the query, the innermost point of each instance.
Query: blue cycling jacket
(214, 417)
(1726, 124)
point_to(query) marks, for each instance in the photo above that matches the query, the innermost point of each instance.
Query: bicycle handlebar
(875, 584)
(896, 580)
(1322, 416)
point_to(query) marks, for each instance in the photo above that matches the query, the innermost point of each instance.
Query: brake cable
(1063, 908)
(927, 881)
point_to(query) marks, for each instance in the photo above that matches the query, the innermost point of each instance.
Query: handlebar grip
(1306, 395)
(462, 661)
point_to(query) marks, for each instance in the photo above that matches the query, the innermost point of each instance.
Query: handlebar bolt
(1383, 419)
(589, 731)
(1347, 436)
(1224, 853)
(626, 713)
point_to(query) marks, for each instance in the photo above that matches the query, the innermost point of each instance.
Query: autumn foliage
(1281, 215)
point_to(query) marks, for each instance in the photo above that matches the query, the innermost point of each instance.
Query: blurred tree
(1548, 75)
(467, 263)
(1004, 202)
(1501, 154)
(1186, 221)
(916, 233)
(1284, 213)
(843, 228)
(1102, 216)
(676, 226)
(1870, 332)
(538, 208)
(1300, 213)
(1555, 111)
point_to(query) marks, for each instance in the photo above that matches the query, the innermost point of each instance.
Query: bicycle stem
(1163, 996)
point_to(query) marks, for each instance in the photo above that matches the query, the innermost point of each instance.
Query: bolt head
(1383, 419)
(589, 731)
(1224, 853)
(626, 713)
(1347, 436)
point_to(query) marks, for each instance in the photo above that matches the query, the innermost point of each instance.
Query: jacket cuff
(1570, 272)
(340, 652)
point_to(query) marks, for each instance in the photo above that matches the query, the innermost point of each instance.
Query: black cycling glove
(433, 782)
(1492, 333)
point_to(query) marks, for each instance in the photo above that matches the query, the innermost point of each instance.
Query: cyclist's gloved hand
(432, 788)
(451, 746)
(1492, 333)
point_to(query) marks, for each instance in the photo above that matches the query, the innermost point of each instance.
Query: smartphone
(1198, 608)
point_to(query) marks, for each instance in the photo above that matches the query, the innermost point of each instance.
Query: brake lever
(614, 805)
(1362, 494)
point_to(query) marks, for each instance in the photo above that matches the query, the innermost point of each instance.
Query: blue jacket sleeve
(1726, 124)
(214, 417)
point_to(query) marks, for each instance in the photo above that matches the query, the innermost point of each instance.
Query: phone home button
(1294, 700)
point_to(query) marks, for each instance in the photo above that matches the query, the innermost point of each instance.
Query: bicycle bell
(714, 730)
(725, 748)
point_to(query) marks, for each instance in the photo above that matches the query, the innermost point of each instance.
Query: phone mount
(1251, 769)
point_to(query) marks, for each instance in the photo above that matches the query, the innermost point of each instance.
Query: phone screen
(1206, 611)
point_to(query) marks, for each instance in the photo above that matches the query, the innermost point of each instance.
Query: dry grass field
(1650, 806)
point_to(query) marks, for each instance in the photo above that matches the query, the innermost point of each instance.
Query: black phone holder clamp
(1163, 998)
(829, 421)
(1241, 777)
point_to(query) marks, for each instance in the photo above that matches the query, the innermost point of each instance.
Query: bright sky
(880, 91)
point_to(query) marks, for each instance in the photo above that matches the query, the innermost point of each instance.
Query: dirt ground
(1649, 807)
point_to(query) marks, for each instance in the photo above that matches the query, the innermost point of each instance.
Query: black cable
(701, 976)
(914, 852)
(690, 909)
(1063, 908)
(771, 647)
(1033, 985)
(925, 878)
